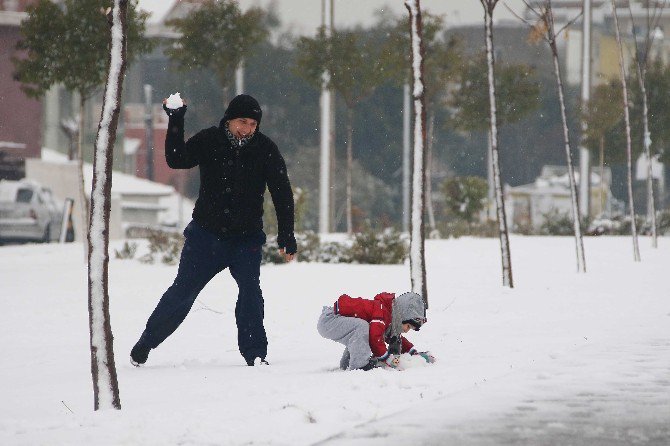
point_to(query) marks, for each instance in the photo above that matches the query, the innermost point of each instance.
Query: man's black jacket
(233, 180)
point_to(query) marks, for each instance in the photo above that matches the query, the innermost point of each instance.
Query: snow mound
(408, 361)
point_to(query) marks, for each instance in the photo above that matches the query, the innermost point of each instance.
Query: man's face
(242, 127)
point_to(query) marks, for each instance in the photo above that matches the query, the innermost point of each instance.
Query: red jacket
(378, 313)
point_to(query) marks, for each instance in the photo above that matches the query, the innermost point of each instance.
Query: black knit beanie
(243, 106)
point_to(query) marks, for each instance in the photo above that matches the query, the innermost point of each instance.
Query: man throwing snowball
(236, 163)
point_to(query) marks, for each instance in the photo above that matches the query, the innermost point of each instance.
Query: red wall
(162, 173)
(20, 117)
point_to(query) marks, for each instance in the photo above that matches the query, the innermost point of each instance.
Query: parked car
(28, 212)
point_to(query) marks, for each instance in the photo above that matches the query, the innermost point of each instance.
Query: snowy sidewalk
(563, 358)
(606, 392)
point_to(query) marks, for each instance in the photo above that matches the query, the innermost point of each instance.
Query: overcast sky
(303, 16)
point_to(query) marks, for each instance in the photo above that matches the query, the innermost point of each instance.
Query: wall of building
(20, 116)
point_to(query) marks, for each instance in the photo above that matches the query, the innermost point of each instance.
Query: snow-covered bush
(369, 246)
(663, 222)
(464, 197)
(460, 228)
(164, 245)
(127, 251)
(271, 251)
(644, 225)
(309, 248)
(620, 225)
(334, 252)
(604, 226)
(372, 247)
(557, 223)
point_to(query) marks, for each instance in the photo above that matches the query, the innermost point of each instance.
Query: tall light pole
(239, 78)
(326, 108)
(149, 132)
(584, 155)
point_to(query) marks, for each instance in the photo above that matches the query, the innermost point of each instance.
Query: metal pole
(331, 141)
(65, 219)
(149, 135)
(584, 155)
(491, 211)
(239, 78)
(406, 149)
(325, 104)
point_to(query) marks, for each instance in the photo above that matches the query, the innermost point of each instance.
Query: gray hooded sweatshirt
(406, 306)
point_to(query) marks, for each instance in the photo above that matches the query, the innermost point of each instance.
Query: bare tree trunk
(602, 174)
(429, 171)
(406, 159)
(651, 205)
(417, 259)
(641, 66)
(579, 242)
(489, 6)
(350, 163)
(629, 155)
(103, 369)
(83, 199)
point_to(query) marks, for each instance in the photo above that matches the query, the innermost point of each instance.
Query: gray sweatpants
(352, 332)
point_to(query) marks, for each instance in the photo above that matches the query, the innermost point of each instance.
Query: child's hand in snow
(392, 362)
(428, 356)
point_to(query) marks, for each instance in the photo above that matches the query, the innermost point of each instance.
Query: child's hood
(409, 306)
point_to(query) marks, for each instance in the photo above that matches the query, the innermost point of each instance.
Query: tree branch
(571, 22)
(525, 2)
(532, 25)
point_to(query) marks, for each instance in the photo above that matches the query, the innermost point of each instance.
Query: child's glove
(391, 362)
(428, 356)
(395, 345)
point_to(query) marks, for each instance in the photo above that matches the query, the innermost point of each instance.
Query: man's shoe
(257, 362)
(139, 354)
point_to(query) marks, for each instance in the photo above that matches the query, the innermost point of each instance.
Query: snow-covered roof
(122, 183)
(554, 180)
(156, 8)
(12, 18)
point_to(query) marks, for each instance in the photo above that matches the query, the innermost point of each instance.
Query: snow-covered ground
(564, 358)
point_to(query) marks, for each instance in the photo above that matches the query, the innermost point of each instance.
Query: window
(24, 195)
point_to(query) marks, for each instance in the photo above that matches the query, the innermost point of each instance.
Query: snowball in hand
(174, 101)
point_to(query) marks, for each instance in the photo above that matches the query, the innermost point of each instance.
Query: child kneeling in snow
(365, 327)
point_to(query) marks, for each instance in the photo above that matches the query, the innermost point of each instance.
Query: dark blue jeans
(205, 255)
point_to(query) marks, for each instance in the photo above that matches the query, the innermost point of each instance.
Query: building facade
(20, 116)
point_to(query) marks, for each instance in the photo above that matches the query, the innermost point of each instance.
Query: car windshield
(24, 195)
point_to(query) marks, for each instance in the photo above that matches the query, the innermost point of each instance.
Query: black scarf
(237, 142)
